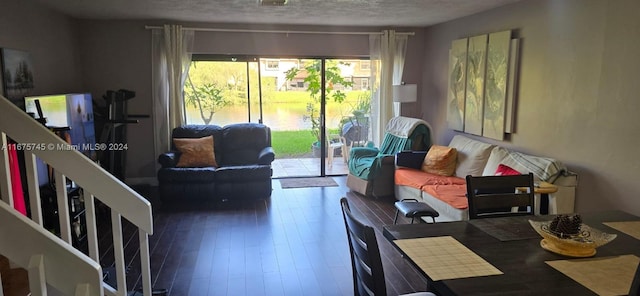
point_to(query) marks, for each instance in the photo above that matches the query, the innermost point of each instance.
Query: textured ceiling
(299, 12)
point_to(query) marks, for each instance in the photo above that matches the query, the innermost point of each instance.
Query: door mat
(308, 182)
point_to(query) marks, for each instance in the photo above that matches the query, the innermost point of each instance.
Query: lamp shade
(406, 93)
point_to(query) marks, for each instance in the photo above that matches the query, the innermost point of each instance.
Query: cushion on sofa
(505, 170)
(418, 179)
(454, 195)
(440, 160)
(543, 168)
(495, 159)
(195, 152)
(472, 155)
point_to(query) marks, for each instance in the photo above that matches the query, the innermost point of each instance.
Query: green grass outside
(291, 144)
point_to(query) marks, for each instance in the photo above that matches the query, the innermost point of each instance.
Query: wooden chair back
(499, 196)
(368, 275)
(635, 285)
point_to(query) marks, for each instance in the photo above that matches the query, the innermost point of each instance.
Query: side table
(544, 189)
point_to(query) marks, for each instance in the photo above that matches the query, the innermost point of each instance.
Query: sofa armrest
(266, 156)
(387, 160)
(169, 159)
(410, 159)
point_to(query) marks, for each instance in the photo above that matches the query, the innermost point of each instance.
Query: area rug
(308, 182)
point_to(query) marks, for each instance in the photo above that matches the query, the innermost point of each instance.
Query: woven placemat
(507, 229)
(631, 228)
(443, 258)
(604, 276)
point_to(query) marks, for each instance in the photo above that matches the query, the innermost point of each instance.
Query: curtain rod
(280, 31)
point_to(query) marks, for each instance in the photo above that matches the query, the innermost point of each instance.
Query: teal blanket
(366, 162)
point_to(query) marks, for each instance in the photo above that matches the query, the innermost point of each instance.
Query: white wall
(578, 90)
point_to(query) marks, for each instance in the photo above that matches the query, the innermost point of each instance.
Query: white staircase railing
(38, 141)
(45, 257)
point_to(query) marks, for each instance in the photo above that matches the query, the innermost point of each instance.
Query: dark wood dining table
(521, 260)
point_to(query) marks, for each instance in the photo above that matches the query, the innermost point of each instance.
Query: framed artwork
(496, 84)
(481, 93)
(457, 84)
(474, 95)
(17, 75)
(514, 57)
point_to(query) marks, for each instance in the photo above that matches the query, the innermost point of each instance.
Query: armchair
(371, 170)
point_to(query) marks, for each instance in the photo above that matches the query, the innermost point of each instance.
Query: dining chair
(635, 285)
(368, 275)
(500, 196)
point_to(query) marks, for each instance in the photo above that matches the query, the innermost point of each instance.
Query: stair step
(15, 281)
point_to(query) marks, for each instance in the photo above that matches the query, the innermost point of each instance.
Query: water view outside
(280, 117)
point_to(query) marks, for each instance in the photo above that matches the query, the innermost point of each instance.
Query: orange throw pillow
(195, 152)
(440, 160)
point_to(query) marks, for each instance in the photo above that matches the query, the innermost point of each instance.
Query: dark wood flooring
(291, 244)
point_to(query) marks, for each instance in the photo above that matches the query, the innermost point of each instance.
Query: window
(364, 83)
(365, 65)
(272, 65)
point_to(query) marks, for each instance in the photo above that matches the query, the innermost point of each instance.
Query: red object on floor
(16, 181)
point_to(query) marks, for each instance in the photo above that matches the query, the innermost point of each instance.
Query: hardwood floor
(291, 244)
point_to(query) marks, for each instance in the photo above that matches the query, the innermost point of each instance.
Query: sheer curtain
(171, 57)
(387, 52)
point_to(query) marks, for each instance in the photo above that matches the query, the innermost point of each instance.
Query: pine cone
(554, 223)
(576, 222)
(565, 226)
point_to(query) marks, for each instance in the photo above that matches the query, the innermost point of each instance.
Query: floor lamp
(404, 93)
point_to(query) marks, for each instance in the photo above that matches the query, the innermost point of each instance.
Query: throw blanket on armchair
(364, 162)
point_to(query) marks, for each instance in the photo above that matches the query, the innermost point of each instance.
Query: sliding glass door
(316, 108)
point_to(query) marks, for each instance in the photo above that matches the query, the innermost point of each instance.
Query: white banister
(37, 277)
(63, 206)
(5, 174)
(92, 229)
(33, 188)
(144, 261)
(118, 252)
(64, 266)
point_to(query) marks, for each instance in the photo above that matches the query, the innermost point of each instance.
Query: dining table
(510, 259)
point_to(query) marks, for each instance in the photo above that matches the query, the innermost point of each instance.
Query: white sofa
(447, 194)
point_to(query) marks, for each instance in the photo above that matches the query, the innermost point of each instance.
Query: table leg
(544, 203)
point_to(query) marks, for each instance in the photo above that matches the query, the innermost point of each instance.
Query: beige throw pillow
(440, 160)
(472, 155)
(195, 152)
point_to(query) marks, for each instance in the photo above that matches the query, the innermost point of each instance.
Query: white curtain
(400, 51)
(171, 57)
(387, 52)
